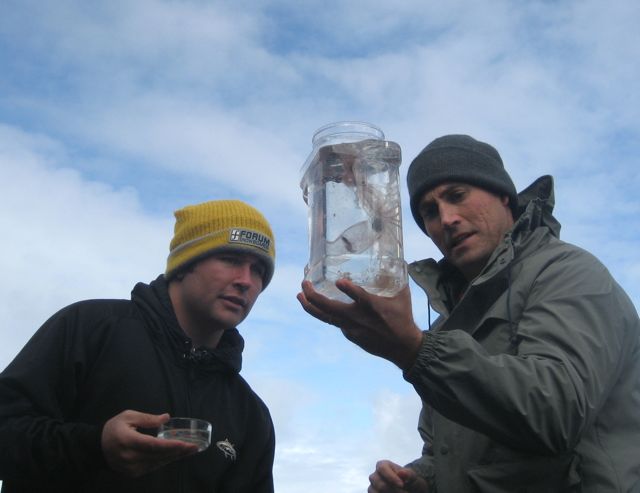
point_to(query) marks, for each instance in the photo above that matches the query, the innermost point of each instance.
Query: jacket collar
(155, 305)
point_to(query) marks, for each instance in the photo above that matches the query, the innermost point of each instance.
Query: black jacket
(94, 359)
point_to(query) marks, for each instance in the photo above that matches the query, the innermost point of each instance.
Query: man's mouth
(458, 239)
(241, 302)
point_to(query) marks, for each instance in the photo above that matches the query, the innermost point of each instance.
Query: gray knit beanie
(458, 158)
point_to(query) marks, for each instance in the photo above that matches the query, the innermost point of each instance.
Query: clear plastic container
(350, 182)
(190, 430)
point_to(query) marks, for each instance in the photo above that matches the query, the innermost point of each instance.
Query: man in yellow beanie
(81, 404)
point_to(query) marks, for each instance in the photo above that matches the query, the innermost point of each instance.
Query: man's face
(220, 290)
(466, 223)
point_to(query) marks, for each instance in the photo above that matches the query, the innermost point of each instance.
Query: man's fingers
(319, 306)
(321, 301)
(312, 309)
(386, 474)
(165, 451)
(133, 453)
(160, 446)
(412, 482)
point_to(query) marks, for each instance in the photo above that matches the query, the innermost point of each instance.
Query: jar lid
(346, 131)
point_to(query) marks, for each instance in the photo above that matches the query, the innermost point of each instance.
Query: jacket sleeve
(576, 330)
(39, 441)
(264, 469)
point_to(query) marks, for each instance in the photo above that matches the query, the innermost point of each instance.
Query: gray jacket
(531, 382)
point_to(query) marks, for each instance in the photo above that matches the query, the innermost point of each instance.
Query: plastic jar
(350, 182)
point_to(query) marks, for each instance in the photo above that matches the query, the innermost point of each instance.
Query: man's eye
(230, 260)
(429, 212)
(456, 196)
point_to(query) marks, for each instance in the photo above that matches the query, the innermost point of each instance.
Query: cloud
(342, 462)
(66, 238)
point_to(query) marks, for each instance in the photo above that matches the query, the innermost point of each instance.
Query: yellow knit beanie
(220, 225)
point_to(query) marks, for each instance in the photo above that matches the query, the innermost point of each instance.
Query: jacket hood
(155, 305)
(535, 206)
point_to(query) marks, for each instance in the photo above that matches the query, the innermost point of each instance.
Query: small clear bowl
(190, 430)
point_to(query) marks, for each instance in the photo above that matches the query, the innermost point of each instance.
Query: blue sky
(114, 114)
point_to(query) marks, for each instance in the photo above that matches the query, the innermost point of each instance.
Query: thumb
(144, 420)
(352, 290)
(412, 482)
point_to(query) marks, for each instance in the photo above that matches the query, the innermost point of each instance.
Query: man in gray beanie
(530, 376)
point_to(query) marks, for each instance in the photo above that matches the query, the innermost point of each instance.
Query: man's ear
(506, 201)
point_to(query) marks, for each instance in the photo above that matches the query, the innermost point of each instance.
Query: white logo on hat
(248, 237)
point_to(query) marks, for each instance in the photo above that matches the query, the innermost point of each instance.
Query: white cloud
(207, 142)
(65, 238)
(339, 462)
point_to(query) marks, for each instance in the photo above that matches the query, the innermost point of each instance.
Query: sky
(113, 114)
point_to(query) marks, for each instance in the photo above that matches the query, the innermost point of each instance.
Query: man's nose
(449, 215)
(244, 276)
